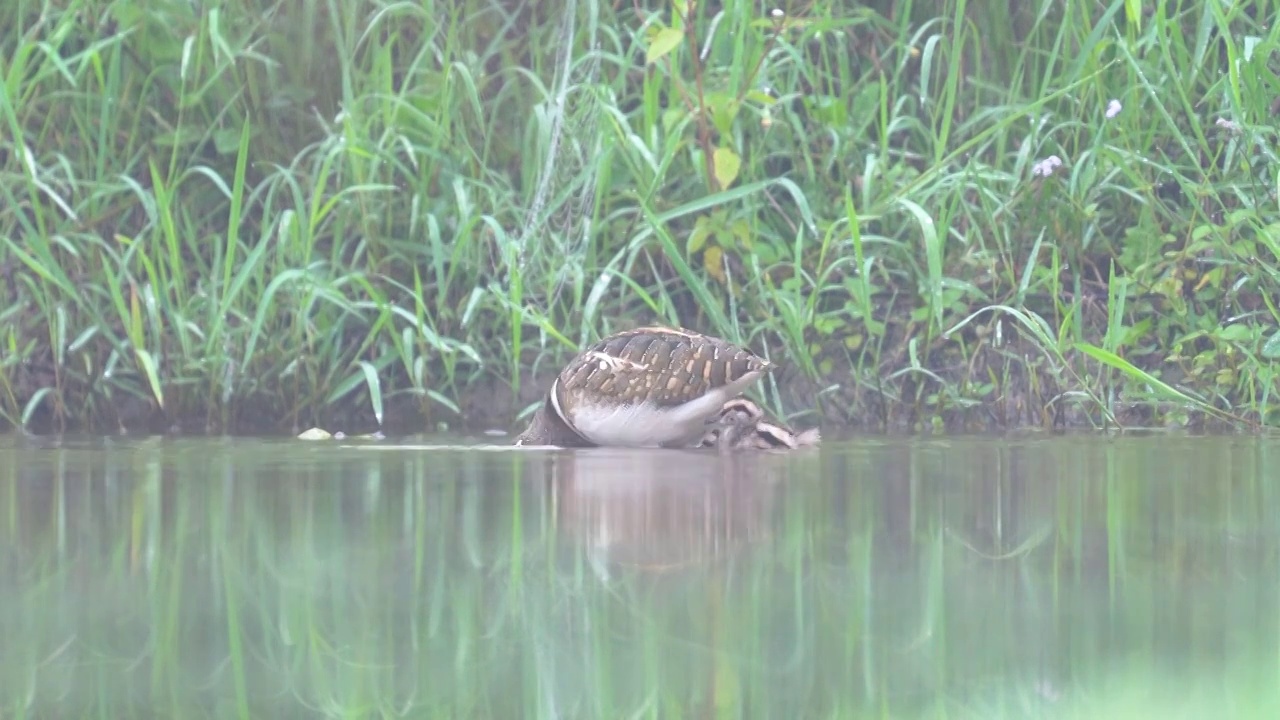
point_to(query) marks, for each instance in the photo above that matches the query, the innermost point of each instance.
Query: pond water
(1073, 577)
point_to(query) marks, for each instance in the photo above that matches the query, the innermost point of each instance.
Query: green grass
(401, 215)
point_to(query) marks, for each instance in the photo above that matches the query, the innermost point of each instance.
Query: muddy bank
(952, 393)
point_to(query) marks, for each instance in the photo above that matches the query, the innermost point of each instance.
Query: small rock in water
(314, 434)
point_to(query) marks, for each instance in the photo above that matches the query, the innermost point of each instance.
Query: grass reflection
(961, 578)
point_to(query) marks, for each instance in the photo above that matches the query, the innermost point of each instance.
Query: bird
(652, 386)
(741, 424)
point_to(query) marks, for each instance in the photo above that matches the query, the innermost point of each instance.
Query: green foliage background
(247, 214)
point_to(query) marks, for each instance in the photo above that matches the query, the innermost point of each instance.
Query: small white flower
(1230, 126)
(777, 12)
(1113, 108)
(1046, 167)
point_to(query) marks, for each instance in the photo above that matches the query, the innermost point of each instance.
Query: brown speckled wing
(666, 366)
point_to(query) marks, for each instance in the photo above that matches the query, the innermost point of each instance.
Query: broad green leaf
(1236, 332)
(698, 238)
(830, 110)
(1271, 349)
(663, 42)
(1133, 15)
(227, 140)
(727, 164)
(723, 109)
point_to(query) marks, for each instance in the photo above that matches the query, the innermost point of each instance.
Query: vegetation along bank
(258, 217)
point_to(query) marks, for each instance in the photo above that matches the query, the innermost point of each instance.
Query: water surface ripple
(1079, 577)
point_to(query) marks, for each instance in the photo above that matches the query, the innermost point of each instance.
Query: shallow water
(1073, 577)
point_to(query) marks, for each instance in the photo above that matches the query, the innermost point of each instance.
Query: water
(1039, 578)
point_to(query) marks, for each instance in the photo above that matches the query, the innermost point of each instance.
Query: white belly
(646, 424)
